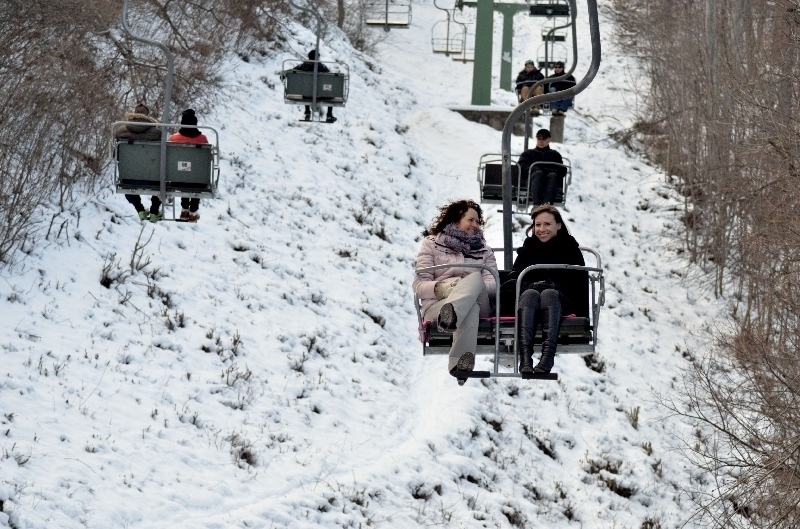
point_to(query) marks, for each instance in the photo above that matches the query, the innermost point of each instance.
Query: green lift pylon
(484, 30)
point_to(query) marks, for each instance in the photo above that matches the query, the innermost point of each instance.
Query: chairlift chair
(497, 334)
(549, 8)
(332, 87)
(192, 170)
(490, 178)
(551, 32)
(447, 36)
(549, 53)
(388, 13)
(522, 200)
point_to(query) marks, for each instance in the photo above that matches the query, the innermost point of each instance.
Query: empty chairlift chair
(192, 170)
(388, 13)
(490, 178)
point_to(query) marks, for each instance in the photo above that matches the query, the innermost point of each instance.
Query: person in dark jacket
(560, 107)
(147, 132)
(545, 178)
(308, 66)
(546, 294)
(525, 81)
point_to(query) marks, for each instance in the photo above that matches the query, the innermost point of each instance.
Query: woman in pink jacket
(189, 206)
(456, 297)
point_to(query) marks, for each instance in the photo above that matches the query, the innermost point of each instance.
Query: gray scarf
(460, 240)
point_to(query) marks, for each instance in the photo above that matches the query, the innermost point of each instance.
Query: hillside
(261, 368)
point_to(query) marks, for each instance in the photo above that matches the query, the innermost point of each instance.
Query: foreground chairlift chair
(333, 87)
(497, 335)
(192, 170)
(388, 13)
(549, 8)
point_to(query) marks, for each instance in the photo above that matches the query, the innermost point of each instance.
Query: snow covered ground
(261, 369)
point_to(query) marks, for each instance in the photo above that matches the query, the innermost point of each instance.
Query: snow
(261, 368)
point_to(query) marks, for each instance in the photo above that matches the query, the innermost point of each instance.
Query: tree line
(720, 116)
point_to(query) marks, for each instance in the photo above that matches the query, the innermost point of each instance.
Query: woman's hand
(444, 288)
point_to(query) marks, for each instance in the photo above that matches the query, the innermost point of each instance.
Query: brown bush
(69, 71)
(723, 95)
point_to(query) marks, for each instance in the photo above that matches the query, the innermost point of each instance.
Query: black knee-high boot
(552, 318)
(527, 333)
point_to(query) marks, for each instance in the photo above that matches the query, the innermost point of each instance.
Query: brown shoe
(194, 216)
(185, 215)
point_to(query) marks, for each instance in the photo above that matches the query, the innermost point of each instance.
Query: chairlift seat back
(549, 10)
(331, 87)
(189, 168)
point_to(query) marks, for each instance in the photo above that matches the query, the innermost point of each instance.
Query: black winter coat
(528, 78)
(564, 84)
(308, 66)
(561, 249)
(527, 158)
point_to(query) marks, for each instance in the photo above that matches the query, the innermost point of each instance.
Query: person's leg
(551, 321)
(469, 301)
(550, 188)
(537, 187)
(136, 201)
(524, 92)
(155, 204)
(307, 114)
(194, 210)
(529, 304)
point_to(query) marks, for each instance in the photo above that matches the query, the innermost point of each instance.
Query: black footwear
(307, 116)
(466, 362)
(527, 332)
(546, 361)
(330, 119)
(446, 322)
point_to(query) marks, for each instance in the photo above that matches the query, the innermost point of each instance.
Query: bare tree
(721, 117)
(68, 71)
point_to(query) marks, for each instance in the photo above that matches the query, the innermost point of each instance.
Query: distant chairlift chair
(490, 180)
(388, 13)
(192, 170)
(333, 87)
(549, 8)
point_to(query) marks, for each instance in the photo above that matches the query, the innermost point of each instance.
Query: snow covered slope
(260, 368)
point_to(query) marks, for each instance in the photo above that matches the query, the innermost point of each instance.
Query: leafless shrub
(726, 131)
(69, 71)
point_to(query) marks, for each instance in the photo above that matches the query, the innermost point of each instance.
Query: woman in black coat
(546, 294)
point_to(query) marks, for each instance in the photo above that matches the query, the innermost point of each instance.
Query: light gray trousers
(471, 302)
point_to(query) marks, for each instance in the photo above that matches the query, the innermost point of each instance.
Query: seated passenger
(525, 80)
(189, 206)
(308, 66)
(456, 297)
(559, 108)
(545, 179)
(141, 132)
(546, 294)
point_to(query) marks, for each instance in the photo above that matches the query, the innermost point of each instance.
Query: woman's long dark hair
(453, 212)
(547, 208)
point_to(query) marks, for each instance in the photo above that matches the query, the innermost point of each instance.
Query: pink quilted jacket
(433, 252)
